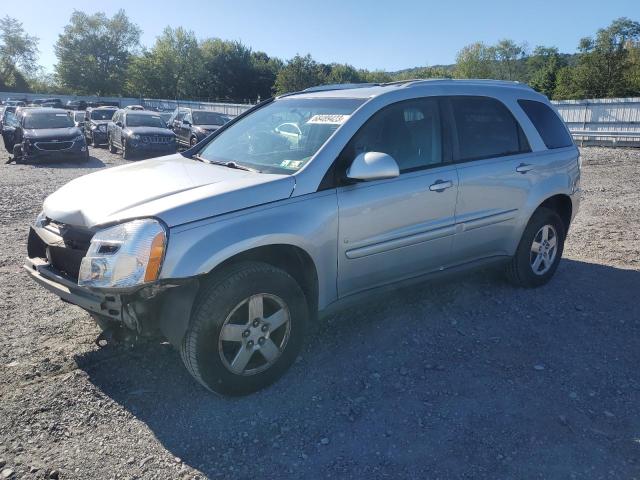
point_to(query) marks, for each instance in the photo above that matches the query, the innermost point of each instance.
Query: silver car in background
(233, 247)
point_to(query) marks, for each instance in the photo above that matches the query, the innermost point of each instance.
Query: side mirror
(373, 166)
(186, 122)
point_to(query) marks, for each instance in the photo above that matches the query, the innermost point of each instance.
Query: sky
(378, 35)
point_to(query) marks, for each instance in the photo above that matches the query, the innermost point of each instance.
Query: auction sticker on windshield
(328, 119)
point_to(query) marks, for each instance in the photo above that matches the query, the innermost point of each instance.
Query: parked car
(77, 105)
(103, 103)
(15, 103)
(79, 118)
(165, 117)
(6, 110)
(140, 133)
(232, 248)
(96, 121)
(134, 107)
(196, 125)
(44, 135)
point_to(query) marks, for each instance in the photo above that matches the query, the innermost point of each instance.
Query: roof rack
(339, 86)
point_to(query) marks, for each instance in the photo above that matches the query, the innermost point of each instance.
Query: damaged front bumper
(151, 309)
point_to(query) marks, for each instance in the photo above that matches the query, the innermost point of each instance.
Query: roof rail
(339, 86)
(481, 81)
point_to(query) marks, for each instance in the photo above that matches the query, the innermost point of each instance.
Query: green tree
(475, 61)
(18, 55)
(299, 73)
(170, 68)
(605, 63)
(94, 52)
(509, 60)
(343, 73)
(543, 66)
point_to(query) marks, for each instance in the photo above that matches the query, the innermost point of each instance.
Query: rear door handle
(440, 185)
(524, 168)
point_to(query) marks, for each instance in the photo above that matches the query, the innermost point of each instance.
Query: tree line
(101, 55)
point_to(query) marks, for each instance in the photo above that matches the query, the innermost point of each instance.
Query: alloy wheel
(254, 334)
(543, 249)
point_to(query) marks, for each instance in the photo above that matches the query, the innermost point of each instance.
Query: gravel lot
(467, 378)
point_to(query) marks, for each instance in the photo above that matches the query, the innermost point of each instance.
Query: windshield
(48, 120)
(207, 118)
(102, 114)
(282, 136)
(134, 120)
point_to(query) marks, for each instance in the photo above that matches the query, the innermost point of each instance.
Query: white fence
(603, 121)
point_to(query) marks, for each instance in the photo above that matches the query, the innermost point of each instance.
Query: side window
(180, 116)
(486, 128)
(409, 131)
(549, 126)
(187, 117)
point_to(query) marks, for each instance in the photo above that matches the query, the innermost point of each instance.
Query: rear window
(549, 126)
(486, 129)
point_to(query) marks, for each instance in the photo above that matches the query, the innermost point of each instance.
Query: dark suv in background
(95, 124)
(140, 132)
(44, 134)
(191, 125)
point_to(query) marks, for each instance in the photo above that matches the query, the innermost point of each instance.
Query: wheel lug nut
(246, 333)
(250, 344)
(256, 322)
(265, 327)
(261, 341)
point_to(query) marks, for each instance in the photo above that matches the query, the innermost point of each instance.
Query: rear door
(496, 170)
(397, 228)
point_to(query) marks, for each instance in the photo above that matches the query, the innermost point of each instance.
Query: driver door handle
(440, 185)
(524, 168)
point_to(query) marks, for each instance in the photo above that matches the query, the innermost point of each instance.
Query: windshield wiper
(224, 164)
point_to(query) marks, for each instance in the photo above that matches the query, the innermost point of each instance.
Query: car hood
(173, 188)
(149, 131)
(52, 133)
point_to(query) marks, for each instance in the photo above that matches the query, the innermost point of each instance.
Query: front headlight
(125, 255)
(41, 220)
(134, 136)
(94, 127)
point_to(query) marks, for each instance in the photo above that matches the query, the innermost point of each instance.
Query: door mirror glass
(373, 166)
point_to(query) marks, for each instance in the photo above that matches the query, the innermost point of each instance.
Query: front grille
(53, 146)
(66, 254)
(155, 139)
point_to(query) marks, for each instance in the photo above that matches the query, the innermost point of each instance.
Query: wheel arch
(293, 259)
(560, 203)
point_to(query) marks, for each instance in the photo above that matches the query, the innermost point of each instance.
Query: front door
(398, 228)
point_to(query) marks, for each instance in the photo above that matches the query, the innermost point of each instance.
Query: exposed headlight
(94, 127)
(125, 255)
(134, 136)
(41, 220)
(102, 127)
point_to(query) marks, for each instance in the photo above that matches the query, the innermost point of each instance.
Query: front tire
(539, 251)
(126, 154)
(247, 328)
(193, 141)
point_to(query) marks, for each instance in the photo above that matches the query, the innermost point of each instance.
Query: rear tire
(539, 250)
(247, 328)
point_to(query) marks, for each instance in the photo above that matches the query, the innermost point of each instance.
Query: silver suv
(232, 248)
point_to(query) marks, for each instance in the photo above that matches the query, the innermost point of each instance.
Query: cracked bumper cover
(146, 310)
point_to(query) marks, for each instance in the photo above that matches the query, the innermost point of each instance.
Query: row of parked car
(45, 133)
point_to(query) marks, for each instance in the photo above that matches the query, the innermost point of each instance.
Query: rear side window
(486, 128)
(549, 126)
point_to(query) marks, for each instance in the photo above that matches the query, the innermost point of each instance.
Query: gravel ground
(467, 378)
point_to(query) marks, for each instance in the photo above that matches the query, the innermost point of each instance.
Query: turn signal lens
(155, 258)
